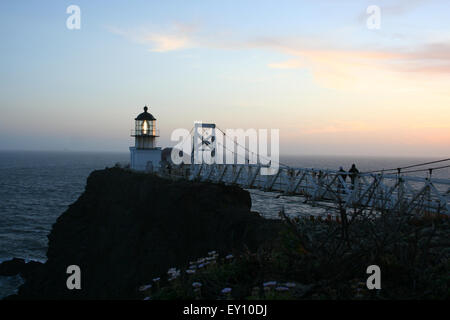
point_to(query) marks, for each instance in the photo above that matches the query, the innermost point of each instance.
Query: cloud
(431, 59)
(164, 42)
(436, 51)
(340, 68)
(330, 63)
(176, 37)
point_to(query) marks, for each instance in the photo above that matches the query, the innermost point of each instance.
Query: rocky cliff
(127, 228)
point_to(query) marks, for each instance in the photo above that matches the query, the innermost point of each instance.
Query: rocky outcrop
(127, 228)
(18, 266)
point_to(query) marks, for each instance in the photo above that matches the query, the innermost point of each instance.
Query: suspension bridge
(384, 190)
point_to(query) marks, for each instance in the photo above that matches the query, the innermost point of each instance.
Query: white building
(145, 155)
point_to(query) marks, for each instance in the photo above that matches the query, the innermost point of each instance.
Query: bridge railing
(384, 192)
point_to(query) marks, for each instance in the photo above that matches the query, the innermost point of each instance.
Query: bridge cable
(249, 151)
(408, 167)
(399, 170)
(427, 169)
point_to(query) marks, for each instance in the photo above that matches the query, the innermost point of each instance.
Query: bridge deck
(383, 192)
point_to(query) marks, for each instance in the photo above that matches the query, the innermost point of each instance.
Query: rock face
(127, 228)
(12, 267)
(19, 266)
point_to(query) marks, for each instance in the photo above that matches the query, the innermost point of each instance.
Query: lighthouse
(145, 155)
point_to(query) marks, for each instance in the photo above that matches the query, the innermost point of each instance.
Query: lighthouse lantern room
(145, 155)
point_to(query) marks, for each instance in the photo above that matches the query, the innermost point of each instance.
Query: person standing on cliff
(343, 175)
(353, 174)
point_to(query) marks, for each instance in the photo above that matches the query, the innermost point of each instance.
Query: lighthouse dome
(145, 115)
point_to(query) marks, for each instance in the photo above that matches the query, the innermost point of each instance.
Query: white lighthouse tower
(145, 155)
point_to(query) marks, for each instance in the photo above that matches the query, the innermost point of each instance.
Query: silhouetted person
(353, 174)
(319, 178)
(343, 175)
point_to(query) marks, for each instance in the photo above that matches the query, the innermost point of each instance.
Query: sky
(312, 69)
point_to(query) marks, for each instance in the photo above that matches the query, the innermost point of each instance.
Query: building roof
(145, 115)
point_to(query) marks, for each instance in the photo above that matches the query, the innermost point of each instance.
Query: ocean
(36, 187)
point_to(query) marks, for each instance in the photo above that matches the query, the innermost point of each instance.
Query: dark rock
(12, 267)
(127, 228)
(18, 266)
(31, 268)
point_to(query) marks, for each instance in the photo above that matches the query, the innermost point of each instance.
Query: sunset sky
(309, 68)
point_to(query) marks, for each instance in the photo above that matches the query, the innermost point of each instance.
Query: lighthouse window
(145, 127)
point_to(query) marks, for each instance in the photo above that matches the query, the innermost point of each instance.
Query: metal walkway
(383, 192)
(372, 190)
